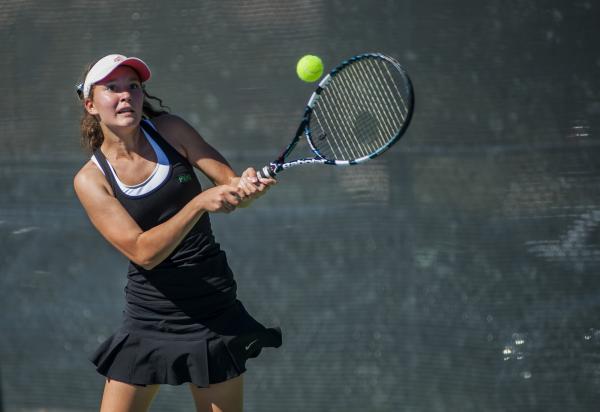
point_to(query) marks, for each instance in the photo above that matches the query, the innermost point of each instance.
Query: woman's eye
(134, 86)
(111, 87)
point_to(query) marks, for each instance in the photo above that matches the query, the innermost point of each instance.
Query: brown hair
(91, 132)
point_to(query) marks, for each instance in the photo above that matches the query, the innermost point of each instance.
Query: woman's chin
(127, 120)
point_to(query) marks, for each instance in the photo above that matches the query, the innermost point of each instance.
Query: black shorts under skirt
(216, 350)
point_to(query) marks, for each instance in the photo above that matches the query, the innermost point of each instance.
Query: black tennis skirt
(144, 353)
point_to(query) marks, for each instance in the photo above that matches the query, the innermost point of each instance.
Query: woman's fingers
(253, 186)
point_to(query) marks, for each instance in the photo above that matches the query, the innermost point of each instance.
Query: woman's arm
(146, 248)
(199, 153)
(208, 160)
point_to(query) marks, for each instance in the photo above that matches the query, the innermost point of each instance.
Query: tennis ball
(309, 68)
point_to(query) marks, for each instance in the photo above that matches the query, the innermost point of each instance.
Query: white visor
(107, 64)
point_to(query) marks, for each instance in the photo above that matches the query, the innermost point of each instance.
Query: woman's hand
(222, 198)
(252, 186)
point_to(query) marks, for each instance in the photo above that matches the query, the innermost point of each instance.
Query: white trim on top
(156, 178)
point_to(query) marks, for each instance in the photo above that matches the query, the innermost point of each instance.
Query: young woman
(182, 322)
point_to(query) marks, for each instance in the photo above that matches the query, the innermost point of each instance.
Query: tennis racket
(358, 111)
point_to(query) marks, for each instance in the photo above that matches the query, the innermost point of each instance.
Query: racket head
(360, 109)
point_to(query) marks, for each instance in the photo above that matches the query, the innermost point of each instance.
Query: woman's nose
(125, 95)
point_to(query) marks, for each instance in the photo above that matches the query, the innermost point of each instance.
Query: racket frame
(279, 164)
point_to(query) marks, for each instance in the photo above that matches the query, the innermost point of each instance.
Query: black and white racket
(358, 111)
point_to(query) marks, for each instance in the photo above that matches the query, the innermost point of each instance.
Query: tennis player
(182, 322)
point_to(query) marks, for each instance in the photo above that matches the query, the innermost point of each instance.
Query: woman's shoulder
(87, 171)
(177, 132)
(89, 177)
(169, 123)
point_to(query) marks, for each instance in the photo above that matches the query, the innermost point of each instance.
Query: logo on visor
(118, 59)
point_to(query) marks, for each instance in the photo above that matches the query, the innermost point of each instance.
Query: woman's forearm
(156, 244)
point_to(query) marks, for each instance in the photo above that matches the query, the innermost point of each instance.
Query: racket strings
(325, 137)
(360, 111)
(379, 99)
(343, 97)
(372, 104)
(338, 130)
(339, 113)
(383, 94)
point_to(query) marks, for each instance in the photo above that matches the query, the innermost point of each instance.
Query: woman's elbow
(146, 262)
(148, 266)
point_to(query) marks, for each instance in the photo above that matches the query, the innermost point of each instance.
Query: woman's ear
(89, 106)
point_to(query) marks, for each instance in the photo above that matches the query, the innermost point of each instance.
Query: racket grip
(266, 172)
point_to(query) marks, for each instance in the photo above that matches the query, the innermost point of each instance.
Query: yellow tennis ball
(309, 68)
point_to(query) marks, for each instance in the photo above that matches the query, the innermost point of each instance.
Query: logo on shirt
(184, 178)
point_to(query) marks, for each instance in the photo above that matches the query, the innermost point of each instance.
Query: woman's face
(117, 99)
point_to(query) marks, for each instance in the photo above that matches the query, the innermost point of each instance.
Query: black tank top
(195, 276)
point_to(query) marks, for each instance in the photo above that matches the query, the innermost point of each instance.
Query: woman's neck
(121, 143)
